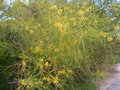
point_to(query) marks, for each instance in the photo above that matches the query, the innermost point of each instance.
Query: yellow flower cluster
(102, 34)
(46, 64)
(59, 12)
(110, 39)
(116, 27)
(70, 71)
(57, 24)
(66, 8)
(55, 81)
(56, 49)
(101, 73)
(31, 31)
(63, 32)
(37, 49)
(83, 18)
(114, 4)
(75, 42)
(53, 7)
(22, 82)
(80, 12)
(41, 60)
(47, 78)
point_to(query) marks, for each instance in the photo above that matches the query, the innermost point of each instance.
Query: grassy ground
(85, 86)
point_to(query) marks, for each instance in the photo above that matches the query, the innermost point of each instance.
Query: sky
(8, 1)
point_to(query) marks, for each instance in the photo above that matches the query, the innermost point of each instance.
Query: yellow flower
(37, 49)
(83, 18)
(114, 4)
(24, 63)
(53, 7)
(31, 84)
(47, 78)
(46, 63)
(22, 82)
(110, 39)
(118, 6)
(32, 19)
(55, 80)
(66, 8)
(81, 12)
(102, 34)
(89, 9)
(37, 83)
(39, 24)
(100, 73)
(75, 42)
(69, 71)
(78, 6)
(42, 60)
(57, 24)
(116, 27)
(56, 49)
(59, 12)
(31, 31)
(28, 87)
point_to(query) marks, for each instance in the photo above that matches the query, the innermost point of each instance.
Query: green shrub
(55, 43)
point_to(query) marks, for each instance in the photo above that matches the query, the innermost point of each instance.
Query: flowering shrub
(56, 43)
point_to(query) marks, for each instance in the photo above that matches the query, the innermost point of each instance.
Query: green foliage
(51, 44)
